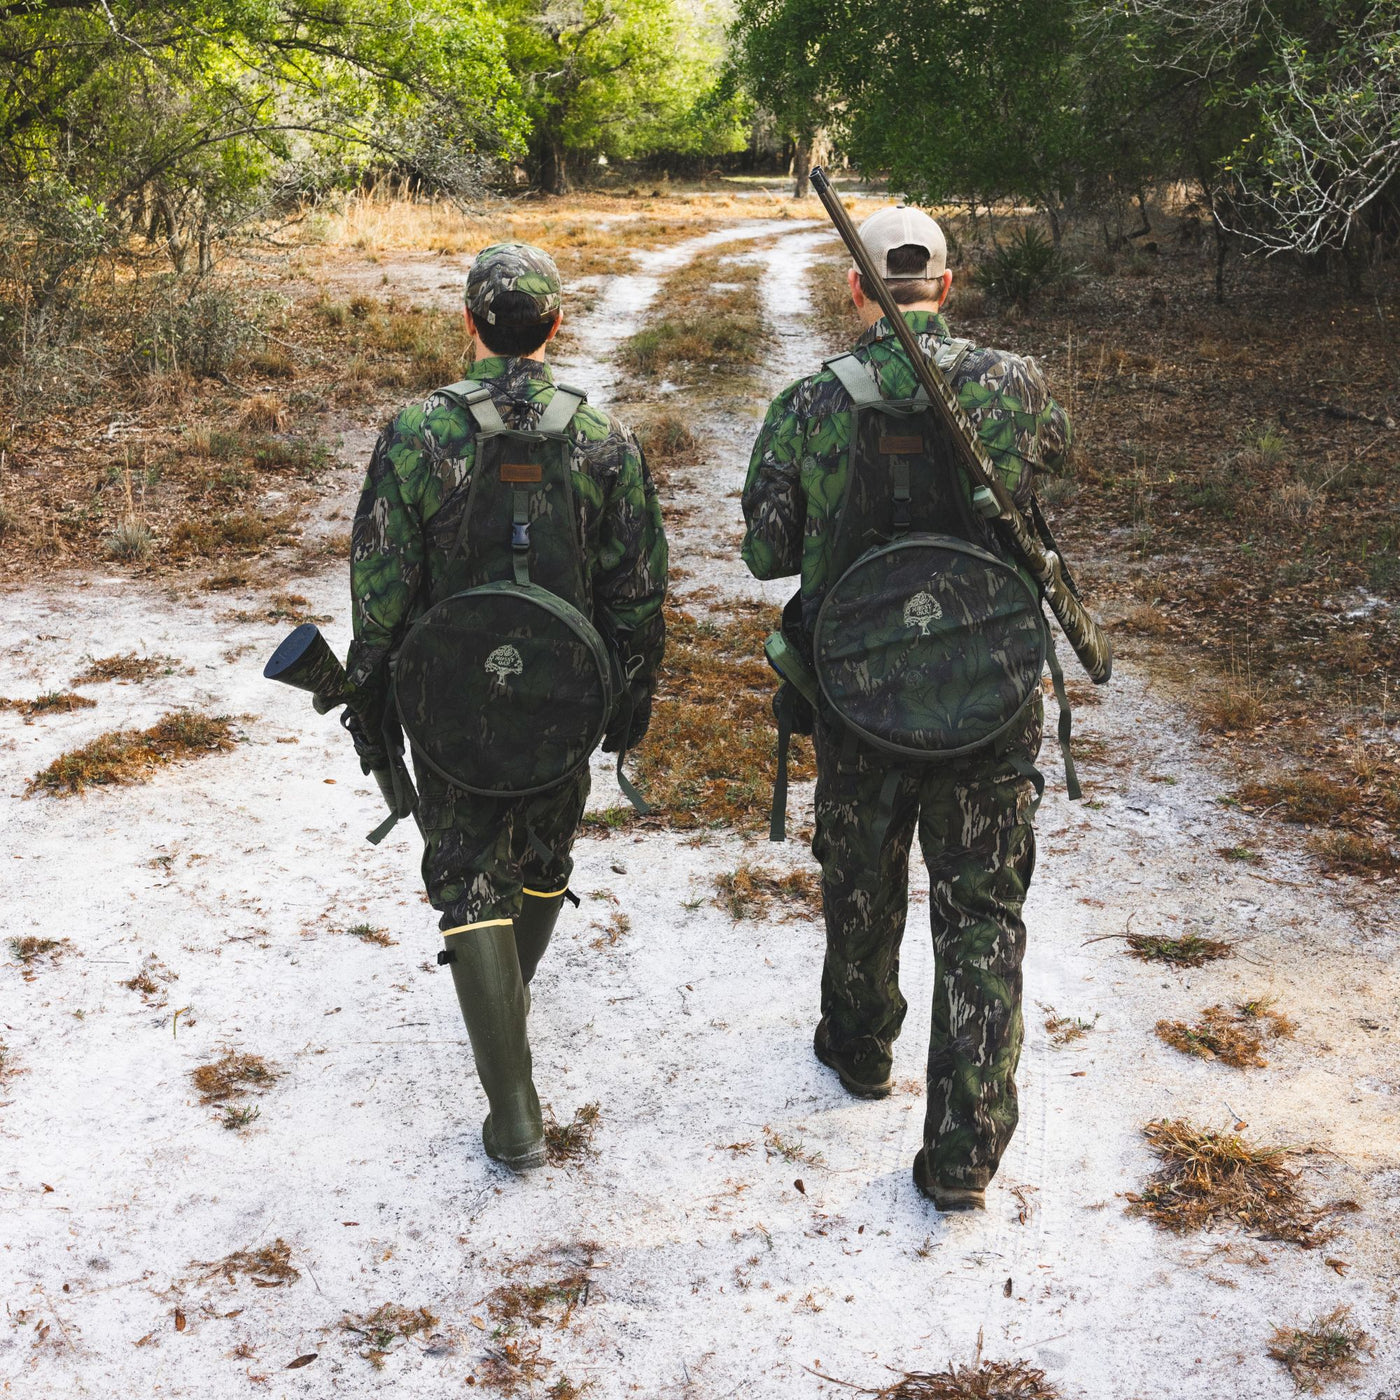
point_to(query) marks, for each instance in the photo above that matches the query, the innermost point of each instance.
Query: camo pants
(975, 829)
(479, 853)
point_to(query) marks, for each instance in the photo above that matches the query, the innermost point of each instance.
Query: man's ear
(947, 287)
(471, 324)
(853, 282)
(554, 329)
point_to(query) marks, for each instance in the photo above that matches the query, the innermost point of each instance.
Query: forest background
(1099, 168)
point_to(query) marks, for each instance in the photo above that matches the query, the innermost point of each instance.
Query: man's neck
(484, 352)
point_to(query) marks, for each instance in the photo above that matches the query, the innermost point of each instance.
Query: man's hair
(909, 257)
(508, 336)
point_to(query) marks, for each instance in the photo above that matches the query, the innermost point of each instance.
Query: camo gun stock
(1085, 636)
(305, 661)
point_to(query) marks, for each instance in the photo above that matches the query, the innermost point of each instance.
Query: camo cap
(513, 267)
(897, 227)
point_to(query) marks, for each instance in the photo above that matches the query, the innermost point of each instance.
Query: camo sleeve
(386, 562)
(1022, 427)
(773, 507)
(629, 585)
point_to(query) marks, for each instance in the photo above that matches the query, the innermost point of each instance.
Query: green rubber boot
(534, 927)
(486, 974)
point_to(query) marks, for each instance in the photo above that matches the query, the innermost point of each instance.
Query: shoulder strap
(950, 355)
(856, 380)
(476, 398)
(559, 411)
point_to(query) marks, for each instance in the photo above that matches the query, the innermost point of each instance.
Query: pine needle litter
(1235, 1036)
(1328, 1349)
(133, 755)
(572, 1142)
(750, 892)
(268, 1267)
(1208, 1179)
(985, 1380)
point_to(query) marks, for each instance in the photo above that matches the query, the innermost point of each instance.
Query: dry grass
(1234, 1036)
(1309, 798)
(54, 702)
(535, 1304)
(750, 892)
(709, 757)
(833, 315)
(133, 756)
(152, 981)
(32, 952)
(1189, 950)
(1355, 853)
(368, 933)
(387, 1324)
(1327, 1350)
(1208, 1179)
(125, 667)
(1065, 1030)
(268, 1267)
(572, 1142)
(233, 1076)
(511, 1365)
(983, 1380)
(708, 315)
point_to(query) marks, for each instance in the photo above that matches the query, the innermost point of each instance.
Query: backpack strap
(476, 398)
(857, 380)
(559, 411)
(950, 355)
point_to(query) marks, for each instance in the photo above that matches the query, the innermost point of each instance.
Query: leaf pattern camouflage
(974, 824)
(411, 510)
(414, 500)
(973, 815)
(798, 471)
(479, 853)
(927, 647)
(513, 267)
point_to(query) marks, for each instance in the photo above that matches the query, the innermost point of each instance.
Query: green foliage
(1023, 267)
(180, 122)
(616, 80)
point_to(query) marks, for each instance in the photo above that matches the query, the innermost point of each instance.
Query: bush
(198, 328)
(1023, 267)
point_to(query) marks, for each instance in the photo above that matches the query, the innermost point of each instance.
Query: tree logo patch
(921, 610)
(503, 662)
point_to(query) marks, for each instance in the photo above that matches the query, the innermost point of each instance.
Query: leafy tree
(616, 78)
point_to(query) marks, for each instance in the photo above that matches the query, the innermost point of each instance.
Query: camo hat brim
(513, 267)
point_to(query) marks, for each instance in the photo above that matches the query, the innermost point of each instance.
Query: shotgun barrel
(1089, 641)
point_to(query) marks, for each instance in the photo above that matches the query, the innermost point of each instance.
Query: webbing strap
(777, 819)
(856, 379)
(538, 846)
(1057, 679)
(884, 815)
(900, 494)
(478, 402)
(639, 803)
(559, 411)
(520, 537)
(405, 794)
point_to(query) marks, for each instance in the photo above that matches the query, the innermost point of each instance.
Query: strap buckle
(520, 535)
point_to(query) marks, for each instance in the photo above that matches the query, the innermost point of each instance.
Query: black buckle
(446, 956)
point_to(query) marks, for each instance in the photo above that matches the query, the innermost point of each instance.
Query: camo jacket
(797, 474)
(414, 497)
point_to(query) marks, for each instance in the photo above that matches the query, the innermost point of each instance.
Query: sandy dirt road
(744, 1224)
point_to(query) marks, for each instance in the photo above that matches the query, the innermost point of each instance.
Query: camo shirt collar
(920, 322)
(513, 368)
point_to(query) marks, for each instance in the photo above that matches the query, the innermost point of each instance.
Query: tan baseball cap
(898, 226)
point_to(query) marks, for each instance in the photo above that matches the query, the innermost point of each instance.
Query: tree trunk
(802, 167)
(554, 166)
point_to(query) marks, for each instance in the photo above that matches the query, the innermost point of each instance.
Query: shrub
(198, 328)
(1023, 267)
(130, 541)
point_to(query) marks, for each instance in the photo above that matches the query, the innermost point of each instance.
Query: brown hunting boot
(866, 1074)
(946, 1197)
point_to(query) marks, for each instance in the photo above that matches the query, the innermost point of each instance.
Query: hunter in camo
(973, 815)
(480, 851)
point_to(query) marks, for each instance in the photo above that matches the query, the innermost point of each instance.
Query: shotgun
(1085, 636)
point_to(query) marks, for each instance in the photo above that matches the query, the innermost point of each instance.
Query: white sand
(714, 1274)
